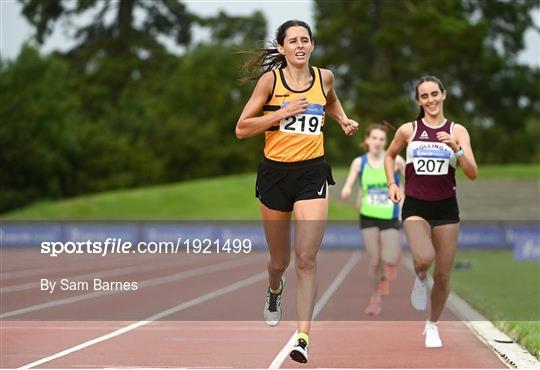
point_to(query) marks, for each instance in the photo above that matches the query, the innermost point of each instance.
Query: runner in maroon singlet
(430, 211)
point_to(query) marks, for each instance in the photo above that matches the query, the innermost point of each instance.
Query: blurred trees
(378, 49)
(116, 42)
(37, 131)
(119, 109)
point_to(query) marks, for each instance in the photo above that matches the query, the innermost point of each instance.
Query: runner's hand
(446, 138)
(345, 193)
(295, 106)
(349, 126)
(393, 193)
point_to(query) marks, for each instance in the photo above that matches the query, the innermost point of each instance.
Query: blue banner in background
(170, 232)
(29, 235)
(526, 245)
(253, 233)
(525, 238)
(101, 232)
(342, 237)
(484, 236)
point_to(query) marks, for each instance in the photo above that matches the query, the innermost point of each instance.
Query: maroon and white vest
(431, 165)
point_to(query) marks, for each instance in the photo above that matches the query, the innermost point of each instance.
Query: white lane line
(117, 271)
(201, 299)
(18, 273)
(16, 261)
(143, 284)
(345, 270)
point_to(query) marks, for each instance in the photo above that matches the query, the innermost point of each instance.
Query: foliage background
(120, 110)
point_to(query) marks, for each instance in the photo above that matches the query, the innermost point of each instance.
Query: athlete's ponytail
(420, 113)
(421, 81)
(269, 58)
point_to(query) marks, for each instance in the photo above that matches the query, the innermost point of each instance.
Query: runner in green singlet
(378, 215)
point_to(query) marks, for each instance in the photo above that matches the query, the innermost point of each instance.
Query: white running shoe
(299, 351)
(420, 293)
(431, 331)
(272, 306)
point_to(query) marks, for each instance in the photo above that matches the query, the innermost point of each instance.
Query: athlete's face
(431, 98)
(376, 141)
(297, 46)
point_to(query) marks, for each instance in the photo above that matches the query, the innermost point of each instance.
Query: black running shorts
(367, 222)
(435, 212)
(280, 184)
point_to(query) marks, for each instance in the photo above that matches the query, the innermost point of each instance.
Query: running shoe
(375, 306)
(383, 287)
(272, 306)
(431, 331)
(419, 294)
(299, 351)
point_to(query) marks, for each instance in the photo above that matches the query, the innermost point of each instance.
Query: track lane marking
(201, 299)
(110, 272)
(19, 273)
(143, 284)
(340, 277)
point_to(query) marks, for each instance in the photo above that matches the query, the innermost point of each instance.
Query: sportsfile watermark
(119, 246)
(218, 270)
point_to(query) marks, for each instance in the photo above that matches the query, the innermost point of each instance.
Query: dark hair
(385, 127)
(269, 58)
(423, 79)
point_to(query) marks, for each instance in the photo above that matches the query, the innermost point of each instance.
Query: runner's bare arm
(353, 173)
(358, 204)
(333, 105)
(467, 161)
(460, 138)
(400, 165)
(396, 146)
(251, 123)
(400, 169)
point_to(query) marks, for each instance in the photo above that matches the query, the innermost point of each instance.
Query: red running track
(206, 311)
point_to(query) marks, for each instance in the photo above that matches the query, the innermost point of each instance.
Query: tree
(235, 30)
(119, 44)
(123, 34)
(105, 115)
(38, 113)
(379, 48)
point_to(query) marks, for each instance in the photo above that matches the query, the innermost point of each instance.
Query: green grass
(511, 172)
(229, 197)
(223, 198)
(505, 291)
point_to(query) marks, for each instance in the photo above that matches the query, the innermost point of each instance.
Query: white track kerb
(512, 354)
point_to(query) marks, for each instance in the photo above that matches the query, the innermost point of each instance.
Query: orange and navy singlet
(297, 138)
